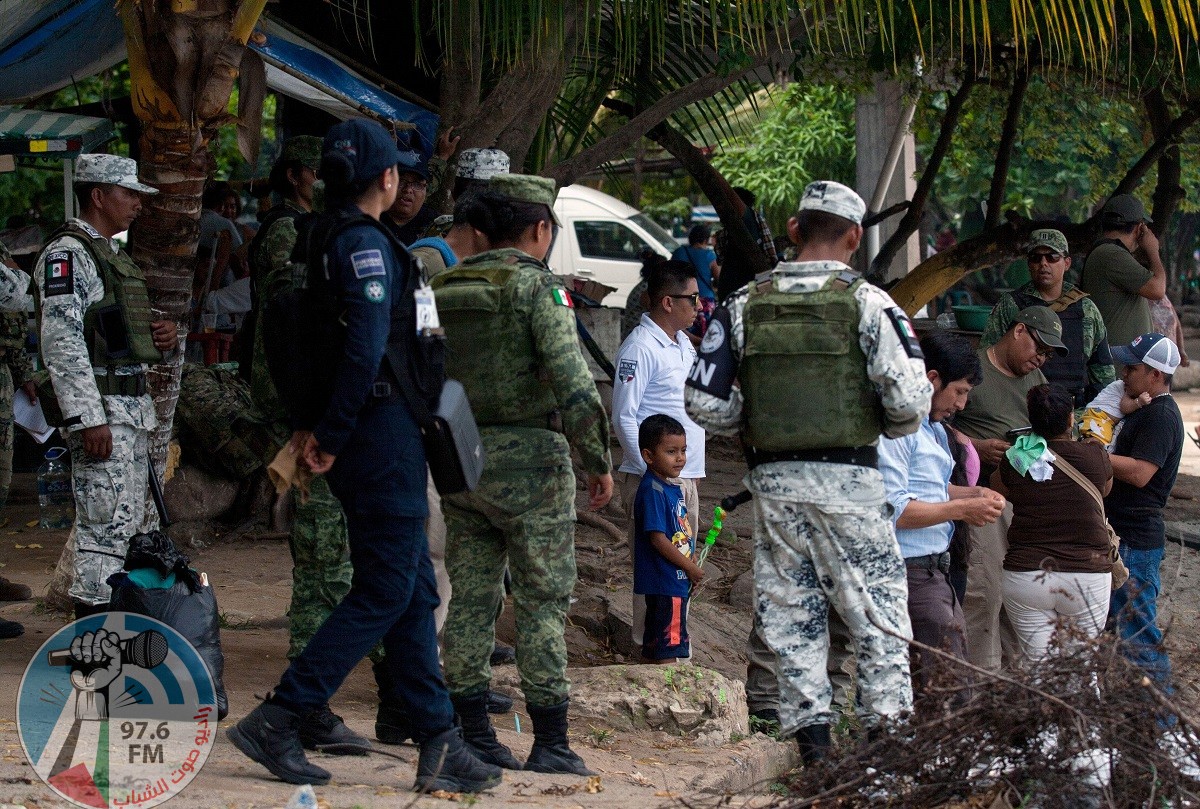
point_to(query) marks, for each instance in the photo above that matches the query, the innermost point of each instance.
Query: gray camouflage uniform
(822, 532)
(110, 494)
(16, 366)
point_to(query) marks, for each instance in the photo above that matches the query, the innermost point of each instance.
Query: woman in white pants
(1057, 567)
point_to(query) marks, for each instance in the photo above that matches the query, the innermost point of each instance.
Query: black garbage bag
(155, 550)
(188, 607)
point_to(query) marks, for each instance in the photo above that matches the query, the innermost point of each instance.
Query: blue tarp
(45, 44)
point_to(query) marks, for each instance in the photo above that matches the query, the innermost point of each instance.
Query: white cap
(482, 164)
(1152, 349)
(833, 198)
(111, 170)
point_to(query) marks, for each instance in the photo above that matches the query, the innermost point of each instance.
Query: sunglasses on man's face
(694, 298)
(1048, 258)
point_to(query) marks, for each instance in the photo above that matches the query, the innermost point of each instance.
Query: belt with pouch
(930, 562)
(856, 456)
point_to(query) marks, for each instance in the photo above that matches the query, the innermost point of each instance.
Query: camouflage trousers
(809, 556)
(6, 431)
(523, 519)
(111, 505)
(321, 569)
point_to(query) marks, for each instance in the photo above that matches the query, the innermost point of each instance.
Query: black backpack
(304, 333)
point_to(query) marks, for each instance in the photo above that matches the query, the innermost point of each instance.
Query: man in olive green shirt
(1120, 284)
(1010, 368)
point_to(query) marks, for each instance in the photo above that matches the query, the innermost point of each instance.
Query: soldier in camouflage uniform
(1088, 368)
(825, 363)
(16, 366)
(511, 332)
(16, 372)
(320, 552)
(97, 338)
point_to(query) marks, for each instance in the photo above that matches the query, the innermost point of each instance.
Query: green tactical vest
(125, 306)
(803, 374)
(489, 348)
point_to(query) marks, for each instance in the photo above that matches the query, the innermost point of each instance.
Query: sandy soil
(252, 578)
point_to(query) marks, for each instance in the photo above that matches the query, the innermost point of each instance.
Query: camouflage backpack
(219, 427)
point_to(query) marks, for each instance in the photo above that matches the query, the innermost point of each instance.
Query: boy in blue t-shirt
(663, 547)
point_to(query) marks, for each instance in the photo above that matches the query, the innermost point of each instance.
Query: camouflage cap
(1049, 238)
(304, 149)
(481, 164)
(527, 188)
(109, 169)
(833, 198)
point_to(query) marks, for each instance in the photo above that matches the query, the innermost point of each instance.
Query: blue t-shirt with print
(659, 507)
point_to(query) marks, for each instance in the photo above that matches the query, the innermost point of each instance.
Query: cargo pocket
(96, 495)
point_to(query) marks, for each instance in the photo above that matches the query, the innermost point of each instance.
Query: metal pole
(68, 194)
(885, 177)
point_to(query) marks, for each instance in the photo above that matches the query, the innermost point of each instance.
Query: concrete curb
(749, 770)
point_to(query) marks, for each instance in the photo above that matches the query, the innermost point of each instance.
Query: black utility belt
(111, 384)
(856, 456)
(930, 561)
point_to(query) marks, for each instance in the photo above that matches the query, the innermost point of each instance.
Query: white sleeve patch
(367, 263)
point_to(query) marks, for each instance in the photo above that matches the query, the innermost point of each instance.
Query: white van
(601, 238)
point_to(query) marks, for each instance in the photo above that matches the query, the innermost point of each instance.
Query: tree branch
(640, 124)
(714, 185)
(1168, 190)
(916, 209)
(1008, 136)
(1169, 137)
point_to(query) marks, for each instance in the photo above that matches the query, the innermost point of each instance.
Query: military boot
(498, 703)
(814, 743)
(551, 753)
(479, 733)
(270, 735)
(323, 728)
(12, 591)
(447, 763)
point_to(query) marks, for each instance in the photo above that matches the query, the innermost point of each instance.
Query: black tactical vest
(1069, 372)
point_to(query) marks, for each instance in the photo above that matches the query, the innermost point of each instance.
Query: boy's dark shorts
(666, 634)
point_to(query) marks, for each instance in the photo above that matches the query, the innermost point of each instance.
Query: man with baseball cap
(409, 216)
(1123, 272)
(1145, 461)
(97, 337)
(997, 405)
(826, 363)
(1087, 367)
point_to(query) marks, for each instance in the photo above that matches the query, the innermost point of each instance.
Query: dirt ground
(251, 573)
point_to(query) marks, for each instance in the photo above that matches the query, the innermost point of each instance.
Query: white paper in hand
(28, 415)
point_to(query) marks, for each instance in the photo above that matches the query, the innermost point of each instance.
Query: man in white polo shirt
(652, 365)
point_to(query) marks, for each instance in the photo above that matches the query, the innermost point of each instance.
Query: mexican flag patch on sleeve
(563, 298)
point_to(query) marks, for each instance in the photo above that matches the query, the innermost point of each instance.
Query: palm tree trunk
(164, 245)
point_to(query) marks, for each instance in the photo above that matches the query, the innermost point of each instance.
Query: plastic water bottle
(55, 497)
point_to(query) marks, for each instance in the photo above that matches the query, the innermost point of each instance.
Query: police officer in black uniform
(366, 441)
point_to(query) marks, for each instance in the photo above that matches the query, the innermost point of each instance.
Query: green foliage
(1074, 143)
(807, 135)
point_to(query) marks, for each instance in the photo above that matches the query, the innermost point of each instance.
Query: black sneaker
(323, 729)
(10, 629)
(447, 763)
(270, 735)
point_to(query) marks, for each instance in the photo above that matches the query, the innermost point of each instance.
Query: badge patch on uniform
(906, 332)
(60, 273)
(368, 263)
(627, 371)
(374, 291)
(563, 298)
